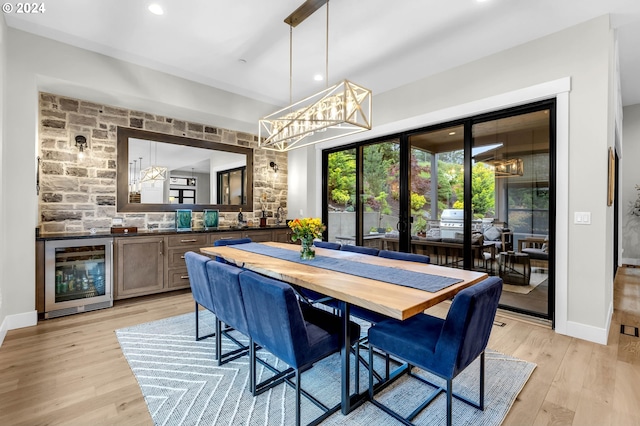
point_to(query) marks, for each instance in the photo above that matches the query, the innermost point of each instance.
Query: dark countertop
(151, 232)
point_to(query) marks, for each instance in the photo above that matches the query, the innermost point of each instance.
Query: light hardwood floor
(71, 371)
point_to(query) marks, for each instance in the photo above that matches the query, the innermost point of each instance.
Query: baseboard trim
(12, 322)
(629, 261)
(3, 330)
(591, 333)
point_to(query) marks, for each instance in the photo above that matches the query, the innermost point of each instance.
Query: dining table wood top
(392, 300)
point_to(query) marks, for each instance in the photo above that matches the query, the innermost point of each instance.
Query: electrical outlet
(116, 221)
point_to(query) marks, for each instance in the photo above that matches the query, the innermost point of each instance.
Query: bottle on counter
(240, 217)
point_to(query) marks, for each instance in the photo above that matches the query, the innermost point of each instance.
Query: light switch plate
(582, 218)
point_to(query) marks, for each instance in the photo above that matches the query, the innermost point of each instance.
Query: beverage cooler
(78, 276)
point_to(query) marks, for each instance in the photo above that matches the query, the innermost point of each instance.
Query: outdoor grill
(451, 222)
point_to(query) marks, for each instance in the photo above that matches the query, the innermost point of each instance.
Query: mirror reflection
(160, 172)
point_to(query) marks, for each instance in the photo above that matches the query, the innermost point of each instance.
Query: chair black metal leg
(219, 342)
(298, 389)
(481, 405)
(356, 380)
(197, 314)
(252, 367)
(371, 372)
(197, 322)
(449, 400)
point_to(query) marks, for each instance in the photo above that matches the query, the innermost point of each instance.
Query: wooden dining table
(392, 300)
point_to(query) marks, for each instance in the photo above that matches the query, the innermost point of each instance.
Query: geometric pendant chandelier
(337, 111)
(340, 110)
(153, 174)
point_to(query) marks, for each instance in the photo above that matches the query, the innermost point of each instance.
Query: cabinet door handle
(161, 245)
(188, 241)
(184, 277)
(182, 257)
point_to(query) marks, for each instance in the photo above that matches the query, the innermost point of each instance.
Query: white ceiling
(243, 45)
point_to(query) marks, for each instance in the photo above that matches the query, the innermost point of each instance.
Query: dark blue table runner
(403, 277)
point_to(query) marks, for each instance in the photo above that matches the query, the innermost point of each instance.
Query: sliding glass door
(511, 192)
(475, 194)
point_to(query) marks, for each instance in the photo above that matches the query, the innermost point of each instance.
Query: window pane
(380, 186)
(437, 184)
(341, 193)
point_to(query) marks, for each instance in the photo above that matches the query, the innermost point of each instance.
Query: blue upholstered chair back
(231, 241)
(465, 332)
(198, 279)
(276, 321)
(359, 249)
(327, 245)
(411, 257)
(274, 316)
(227, 296)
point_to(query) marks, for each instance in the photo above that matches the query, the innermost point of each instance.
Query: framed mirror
(159, 172)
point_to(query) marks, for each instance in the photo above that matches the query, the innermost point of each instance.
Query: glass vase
(306, 249)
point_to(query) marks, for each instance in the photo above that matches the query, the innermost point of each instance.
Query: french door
(477, 194)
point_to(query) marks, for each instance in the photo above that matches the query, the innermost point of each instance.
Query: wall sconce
(81, 144)
(274, 166)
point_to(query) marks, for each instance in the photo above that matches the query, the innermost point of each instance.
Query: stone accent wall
(80, 195)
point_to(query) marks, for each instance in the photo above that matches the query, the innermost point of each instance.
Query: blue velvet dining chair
(199, 281)
(297, 334)
(360, 249)
(443, 347)
(327, 245)
(398, 255)
(228, 308)
(229, 242)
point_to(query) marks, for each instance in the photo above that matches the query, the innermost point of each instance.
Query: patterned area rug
(182, 384)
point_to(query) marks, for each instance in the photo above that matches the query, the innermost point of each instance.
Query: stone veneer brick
(77, 196)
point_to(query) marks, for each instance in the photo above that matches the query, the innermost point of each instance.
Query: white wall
(301, 181)
(584, 54)
(3, 240)
(629, 178)
(37, 64)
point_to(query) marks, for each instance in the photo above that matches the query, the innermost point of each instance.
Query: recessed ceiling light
(318, 77)
(156, 9)
(452, 133)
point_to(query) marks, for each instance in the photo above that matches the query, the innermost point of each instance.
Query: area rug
(535, 280)
(182, 384)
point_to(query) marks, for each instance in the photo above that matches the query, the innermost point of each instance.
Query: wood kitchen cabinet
(139, 267)
(281, 235)
(177, 245)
